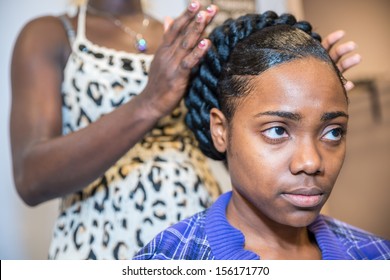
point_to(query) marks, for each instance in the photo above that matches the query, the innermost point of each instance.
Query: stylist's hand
(181, 50)
(339, 53)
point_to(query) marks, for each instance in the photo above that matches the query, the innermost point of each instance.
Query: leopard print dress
(161, 180)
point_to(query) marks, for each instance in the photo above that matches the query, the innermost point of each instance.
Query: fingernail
(202, 44)
(210, 9)
(357, 57)
(200, 16)
(193, 6)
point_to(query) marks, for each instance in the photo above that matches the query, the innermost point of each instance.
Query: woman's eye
(334, 134)
(276, 132)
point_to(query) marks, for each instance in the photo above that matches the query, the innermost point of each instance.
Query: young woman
(269, 100)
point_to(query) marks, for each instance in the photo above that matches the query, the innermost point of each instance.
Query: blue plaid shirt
(209, 236)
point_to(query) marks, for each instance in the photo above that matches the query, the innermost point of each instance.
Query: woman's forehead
(298, 83)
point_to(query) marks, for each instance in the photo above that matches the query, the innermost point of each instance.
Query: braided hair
(242, 49)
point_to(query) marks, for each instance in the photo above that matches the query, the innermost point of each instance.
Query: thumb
(167, 23)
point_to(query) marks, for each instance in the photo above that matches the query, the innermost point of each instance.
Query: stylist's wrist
(149, 108)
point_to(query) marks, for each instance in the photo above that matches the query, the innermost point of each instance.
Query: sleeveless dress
(161, 180)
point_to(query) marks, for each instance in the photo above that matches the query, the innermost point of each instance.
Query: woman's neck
(269, 239)
(117, 7)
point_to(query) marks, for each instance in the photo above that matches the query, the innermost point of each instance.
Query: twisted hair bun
(204, 92)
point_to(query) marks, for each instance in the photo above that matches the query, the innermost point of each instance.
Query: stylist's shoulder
(45, 35)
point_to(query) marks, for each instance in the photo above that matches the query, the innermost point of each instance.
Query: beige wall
(362, 193)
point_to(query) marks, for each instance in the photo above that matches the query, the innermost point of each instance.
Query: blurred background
(361, 196)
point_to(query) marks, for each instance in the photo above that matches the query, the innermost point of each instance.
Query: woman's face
(285, 144)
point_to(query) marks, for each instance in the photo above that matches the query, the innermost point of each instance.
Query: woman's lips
(304, 199)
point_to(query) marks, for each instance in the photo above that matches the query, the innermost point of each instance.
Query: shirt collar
(330, 246)
(226, 242)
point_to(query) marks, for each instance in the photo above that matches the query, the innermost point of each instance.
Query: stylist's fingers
(332, 39)
(192, 33)
(348, 85)
(211, 11)
(349, 62)
(340, 51)
(175, 27)
(193, 58)
(342, 54)
(346, 64)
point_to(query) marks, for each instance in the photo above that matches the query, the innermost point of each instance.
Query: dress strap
(69, 28)
(81, 22)
(72, 35)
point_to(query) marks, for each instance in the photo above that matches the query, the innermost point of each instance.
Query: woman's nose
(307, 158)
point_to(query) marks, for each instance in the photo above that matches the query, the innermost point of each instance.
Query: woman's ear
(218, 130)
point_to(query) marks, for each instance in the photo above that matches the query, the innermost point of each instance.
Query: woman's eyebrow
(282, 114)
(297, 117)
(332, 115)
